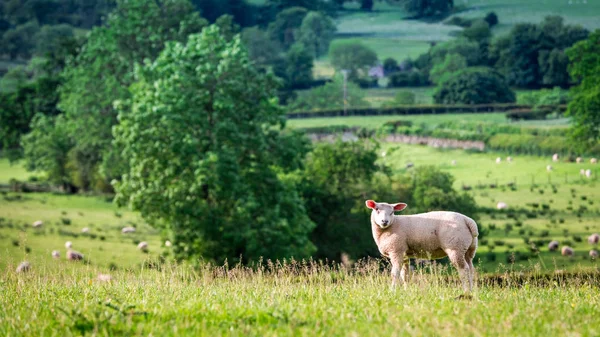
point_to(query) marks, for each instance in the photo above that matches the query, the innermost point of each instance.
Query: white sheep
(104, 278)
(498, 160)
(74, 255)
(588, 173)
(593, 161)
(567, 251)
(501, 205)
(593, 239)
(582, 172)
(126, 230)
(383, 154)
(430, 235)
(553, 246)
(56, 254)
(85, 230)
(555, 157)
(579, 160)
(68, 244)
(509, 159)
(168, 243)
(37, 224)
(23, 267)
(549, 168)
(593, 254)
(143, 246)
(453, 162)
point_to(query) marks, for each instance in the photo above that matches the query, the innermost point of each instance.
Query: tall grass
(288, 299)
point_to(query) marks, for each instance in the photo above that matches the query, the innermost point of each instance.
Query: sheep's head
(383, 212)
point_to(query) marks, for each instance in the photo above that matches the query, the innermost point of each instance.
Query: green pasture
(64, 299)
(10, 170)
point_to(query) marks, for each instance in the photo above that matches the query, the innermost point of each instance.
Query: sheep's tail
(472, 226)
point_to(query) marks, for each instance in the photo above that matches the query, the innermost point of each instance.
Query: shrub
(65, 221)
(413, 78)
(491, 18)
(475, 85)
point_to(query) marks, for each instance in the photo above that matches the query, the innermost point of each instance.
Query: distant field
(9, 171)
(376, 121)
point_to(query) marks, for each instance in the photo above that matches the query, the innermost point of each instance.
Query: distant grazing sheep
(501, 205)
(549, 168)
(553, 246)
(85, 230)
(126, 230)
(383, 154)
(104, 278)
(509, 159)
(409, 165)
(68, 244)
(453, 162)
(56, 254)
(37, 224)
(498, 160)
(582, 172)
(23, 267)
(593, 239)
(567, 251)
(432, 235)
(588, 173)
(579, 160)
(593, 161)
(593, 254)
(143, 246)
(74, 255)
(555, 157)
(168, 243)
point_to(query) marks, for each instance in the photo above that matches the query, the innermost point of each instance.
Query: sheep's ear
(370, 204)
(399, 206)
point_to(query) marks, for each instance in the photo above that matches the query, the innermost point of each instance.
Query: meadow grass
(10, 170)
(294, 299)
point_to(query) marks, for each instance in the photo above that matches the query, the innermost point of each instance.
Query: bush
(491, 18)
(474, 86)
(413, 78)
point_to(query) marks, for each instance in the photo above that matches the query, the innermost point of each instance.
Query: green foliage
(403, 98)
(411, 78)
(208, 185)
(442, 71)
(479, 31)
(316, 32)
(243, 13)
(532, 55)
(50, 37)
(329, 96)
(432, 190)
(286, 26)
(261, 49)
(46, 148)
(491, 18)
(461, 46)
(297, 67)
(584, 108)
(390, 66)
(474, 86)
(355, 57)
(18, 42)
(102, 71)
(426, 8)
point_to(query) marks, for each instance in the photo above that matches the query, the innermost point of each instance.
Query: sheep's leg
(458, 261)
(469, 258)
(405, 272)
(396, 260)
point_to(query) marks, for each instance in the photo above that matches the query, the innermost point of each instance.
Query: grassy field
(66, 300)
(12, 170)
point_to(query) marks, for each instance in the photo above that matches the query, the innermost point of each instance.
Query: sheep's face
(383, 212)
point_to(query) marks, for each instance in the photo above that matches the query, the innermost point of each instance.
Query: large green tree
(584, 108)
(316, 33)
(284, 29)
(100, 75)
(474, 85)
(354, 57)
(202, 134)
